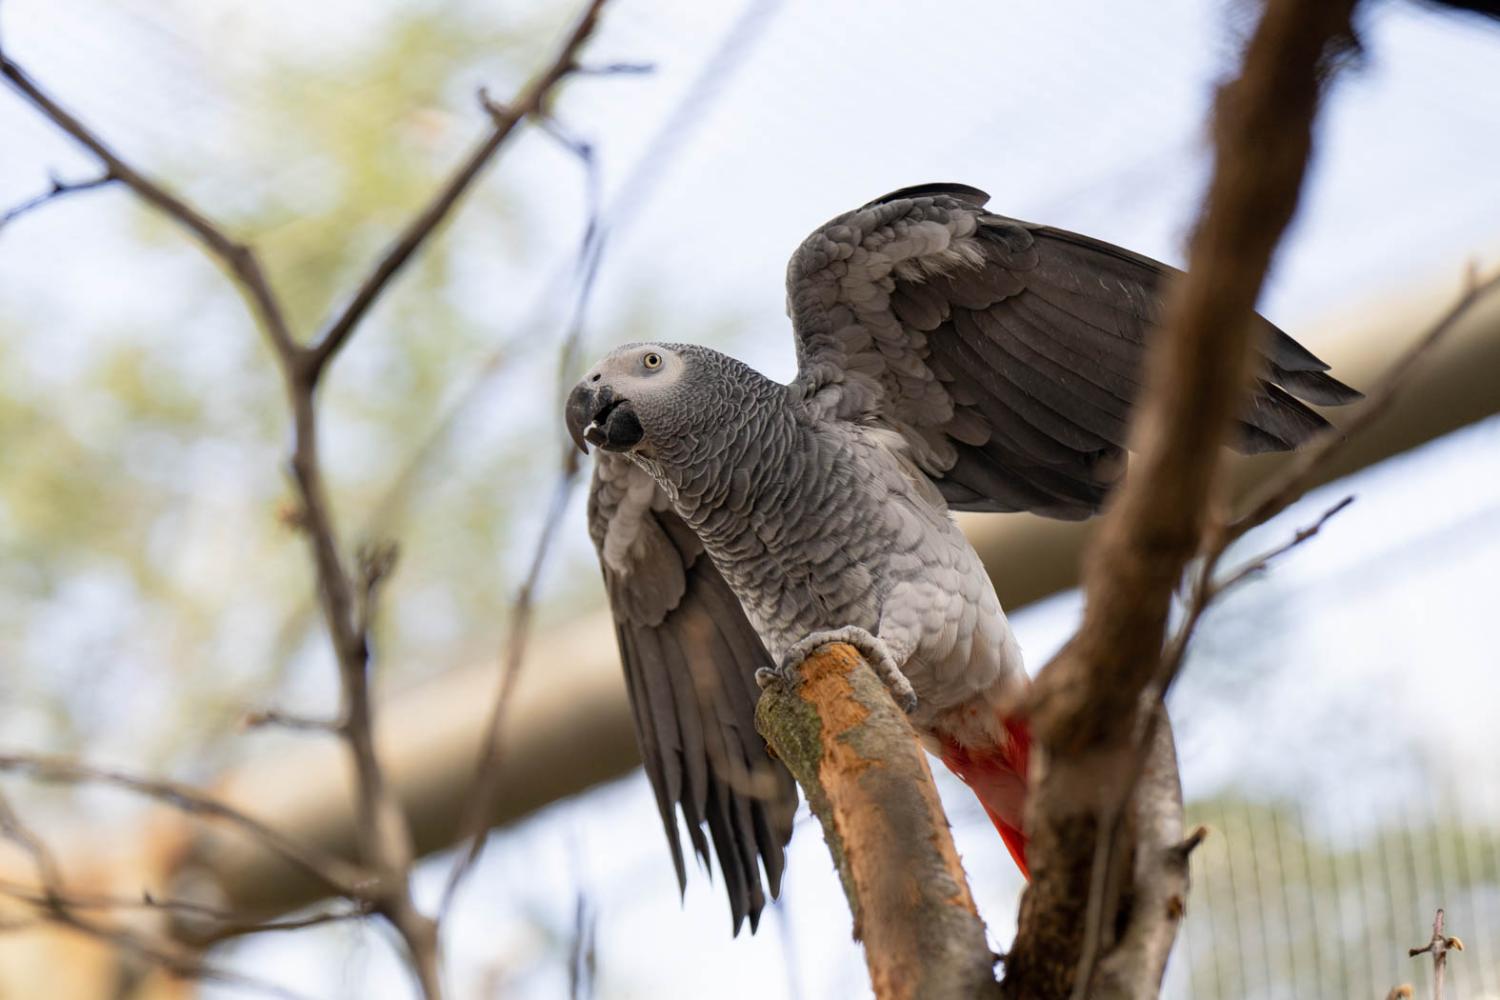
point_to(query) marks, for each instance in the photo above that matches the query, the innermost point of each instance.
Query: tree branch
(485, 786)
(58, 188)
(1438, 947)
(385, 840)
(209, 924)
(239, 259)
(528, 102)
(1088, 711)
(864, 773)
(54, 903)
(333, 871)
(1288, 486)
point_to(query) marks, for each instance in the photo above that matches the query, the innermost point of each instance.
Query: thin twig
(479, 804)
(48, 872)
(1284, 489)
(376, 561)
(528, 102)
(274, 718)
(1262, 562)
(1438, 946)
(227, 923)
(1088, 703)
(238, 258)
(1207, 586)
(338, 874)
(582, 956)
(383, 831)
(397, 492)
(474, 820)
(248, 928)
(178, 961)
(616, 69)
(59, 188)
(54, 904)
(629, 199)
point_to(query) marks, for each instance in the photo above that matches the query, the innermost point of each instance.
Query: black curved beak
(579, 414)
(597, 416)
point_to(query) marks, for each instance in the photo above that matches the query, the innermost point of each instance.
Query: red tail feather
(998, 777)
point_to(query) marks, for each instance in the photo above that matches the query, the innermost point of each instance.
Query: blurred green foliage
(142, 559)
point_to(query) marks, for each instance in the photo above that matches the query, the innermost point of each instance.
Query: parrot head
(614, 403)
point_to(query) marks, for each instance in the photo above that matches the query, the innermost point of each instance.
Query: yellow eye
(651, 360)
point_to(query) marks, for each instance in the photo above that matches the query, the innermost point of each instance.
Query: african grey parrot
(950, 359)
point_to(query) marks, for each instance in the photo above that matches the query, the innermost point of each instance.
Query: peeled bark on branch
(865, 775)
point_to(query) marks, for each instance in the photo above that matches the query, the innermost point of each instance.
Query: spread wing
(690, 658)
(1008, 354)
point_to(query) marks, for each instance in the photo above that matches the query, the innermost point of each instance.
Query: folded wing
(690, 658)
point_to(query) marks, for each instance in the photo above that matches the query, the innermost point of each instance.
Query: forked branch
(385, 842)
(1092, 711)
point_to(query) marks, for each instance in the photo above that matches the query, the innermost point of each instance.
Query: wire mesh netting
(1337, 723)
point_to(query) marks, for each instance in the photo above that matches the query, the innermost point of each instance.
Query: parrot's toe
(766, 676)
(870, 646)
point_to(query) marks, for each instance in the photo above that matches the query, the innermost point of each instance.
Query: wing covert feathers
(1007, 354)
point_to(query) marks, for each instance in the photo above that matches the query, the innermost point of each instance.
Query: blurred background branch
(385, 849)
(1092, 710)
(151, 592)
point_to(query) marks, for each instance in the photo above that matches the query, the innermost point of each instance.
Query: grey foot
(871, 647)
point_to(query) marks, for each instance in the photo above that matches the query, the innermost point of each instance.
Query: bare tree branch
(48, 872)
(528, 102)
(55, 904)
(385, 834)
(1438, 947)
(274, 718)
(485, 787)
(865, 776)
(239, 259)
(480, 802)
(1207, 587)
(338, 874)
(59, 188)
(1284, 489)
(217, 923)
(1088, 711)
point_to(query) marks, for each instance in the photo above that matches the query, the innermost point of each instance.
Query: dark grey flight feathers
(1039, 347)
(1002, 358)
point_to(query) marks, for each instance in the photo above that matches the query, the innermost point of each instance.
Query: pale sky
(1084, 115)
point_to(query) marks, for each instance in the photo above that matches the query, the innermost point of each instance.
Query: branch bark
(1088, 711)
(865, 775)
